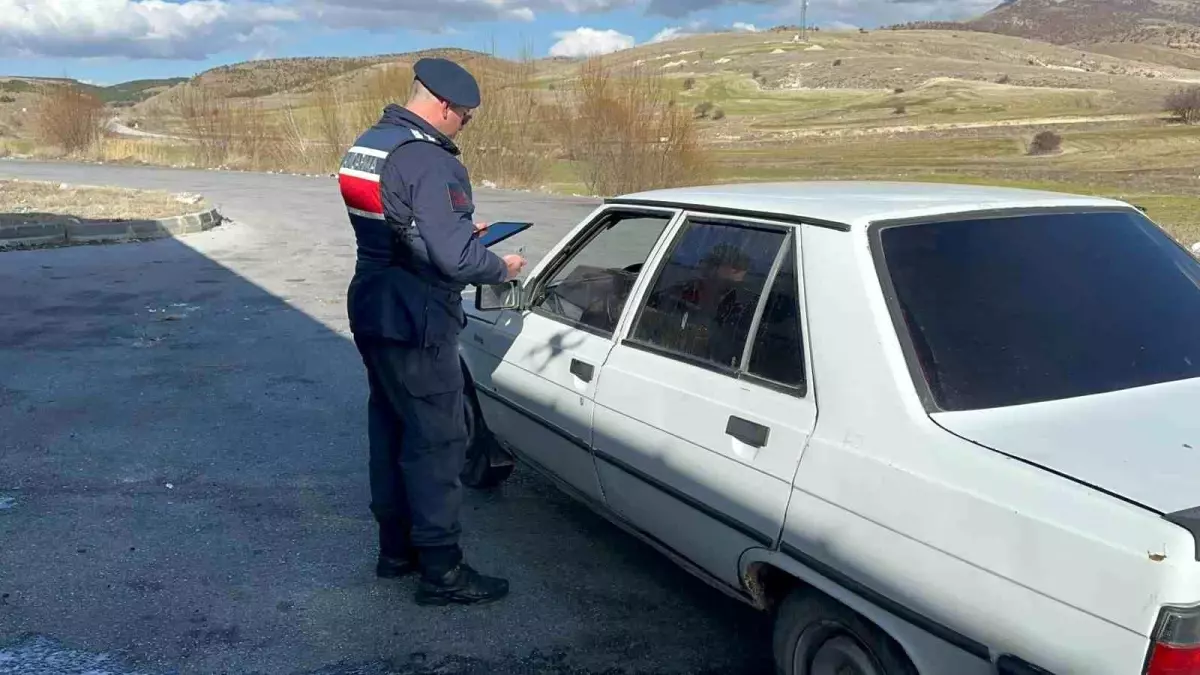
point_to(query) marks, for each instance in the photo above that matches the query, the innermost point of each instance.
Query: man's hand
(515, 264)
(480, 228)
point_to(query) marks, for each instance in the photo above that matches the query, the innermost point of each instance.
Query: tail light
(1175, 649)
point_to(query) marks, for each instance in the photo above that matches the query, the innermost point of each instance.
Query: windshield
(1025, 308)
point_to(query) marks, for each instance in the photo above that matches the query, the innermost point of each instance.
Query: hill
(135, 91)
(264, 77)
(1174, 24)
(769, 68)
(947, 104)
(1167, 23)
(125, 93)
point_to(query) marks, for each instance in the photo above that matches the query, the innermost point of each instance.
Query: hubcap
(836, 655)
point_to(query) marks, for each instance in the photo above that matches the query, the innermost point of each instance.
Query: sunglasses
(465, 114)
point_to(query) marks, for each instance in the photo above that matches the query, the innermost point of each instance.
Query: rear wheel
(487, 464)
(816, 635)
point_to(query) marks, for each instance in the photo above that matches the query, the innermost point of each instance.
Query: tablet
(498, 232)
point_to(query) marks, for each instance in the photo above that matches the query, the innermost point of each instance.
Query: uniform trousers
(418, 436)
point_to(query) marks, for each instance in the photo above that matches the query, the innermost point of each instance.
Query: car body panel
(667, 463)
(1143, 443)
(535, 375)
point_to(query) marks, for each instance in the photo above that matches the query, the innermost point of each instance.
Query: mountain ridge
(1166, 23)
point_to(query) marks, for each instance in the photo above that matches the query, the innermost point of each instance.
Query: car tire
(817, 635)
(486, 464)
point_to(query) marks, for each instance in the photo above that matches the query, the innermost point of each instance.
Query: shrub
(702, 109)
(689, 83)
(900, 110)
(1045, 143)
(625, 135)
(1003, 79)
(718, 114)
(898, 90)
(837, 62)
(1185, 104)
(69, 118)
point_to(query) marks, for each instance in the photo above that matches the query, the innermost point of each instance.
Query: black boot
(462, 585)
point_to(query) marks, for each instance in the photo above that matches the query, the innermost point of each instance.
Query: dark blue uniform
(410, 202)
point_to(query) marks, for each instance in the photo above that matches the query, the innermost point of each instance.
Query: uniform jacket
(410, 203)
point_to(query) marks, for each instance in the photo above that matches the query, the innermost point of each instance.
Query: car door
(704, 409)
(545, 378)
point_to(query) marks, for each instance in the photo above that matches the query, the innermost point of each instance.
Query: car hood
(1142, 444)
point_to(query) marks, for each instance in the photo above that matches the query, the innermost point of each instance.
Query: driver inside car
(709, 314)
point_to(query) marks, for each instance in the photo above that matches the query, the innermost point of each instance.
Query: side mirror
(498, 296)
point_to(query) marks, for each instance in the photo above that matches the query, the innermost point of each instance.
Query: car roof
(853, 203)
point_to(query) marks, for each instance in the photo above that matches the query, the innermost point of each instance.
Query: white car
(931, 428)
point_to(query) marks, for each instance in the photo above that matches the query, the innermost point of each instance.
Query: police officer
(410, 203)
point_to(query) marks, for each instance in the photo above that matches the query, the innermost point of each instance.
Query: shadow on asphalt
(183, 489)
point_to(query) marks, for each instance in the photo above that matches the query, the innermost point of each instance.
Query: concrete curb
(69, 231)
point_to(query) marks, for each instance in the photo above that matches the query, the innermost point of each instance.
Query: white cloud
(665, 34)
(696, 28)
(589, 42)
(134, 28)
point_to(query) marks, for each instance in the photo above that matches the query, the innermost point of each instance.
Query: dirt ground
(31, 201)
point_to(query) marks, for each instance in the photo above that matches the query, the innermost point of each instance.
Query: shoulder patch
(459, 201)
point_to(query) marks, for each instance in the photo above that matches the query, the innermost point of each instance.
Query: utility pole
(804, 20)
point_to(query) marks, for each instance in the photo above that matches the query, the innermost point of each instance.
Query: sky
(111, 41)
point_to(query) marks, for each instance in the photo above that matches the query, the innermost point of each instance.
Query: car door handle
(748, 432)
(583, 371)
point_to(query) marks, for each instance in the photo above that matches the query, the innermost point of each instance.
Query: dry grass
(26, 201)
(621, 131)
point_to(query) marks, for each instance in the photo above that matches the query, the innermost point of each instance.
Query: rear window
(1027, 308)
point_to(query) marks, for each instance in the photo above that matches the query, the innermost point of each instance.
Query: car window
(1020, 309)
(591, 289)
(778, 351)
(703, 300)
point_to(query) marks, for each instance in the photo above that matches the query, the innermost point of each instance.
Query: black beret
(448, 80)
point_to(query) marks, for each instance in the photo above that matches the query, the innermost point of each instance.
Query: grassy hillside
(125, 93)
(912, 104)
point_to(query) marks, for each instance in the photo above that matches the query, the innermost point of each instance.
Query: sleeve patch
(459, 201)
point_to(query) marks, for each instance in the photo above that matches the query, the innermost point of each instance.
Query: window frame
(791, 242)
(599, 223)
(883, 276)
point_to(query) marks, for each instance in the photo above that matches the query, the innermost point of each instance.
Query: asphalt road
(183, 483)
